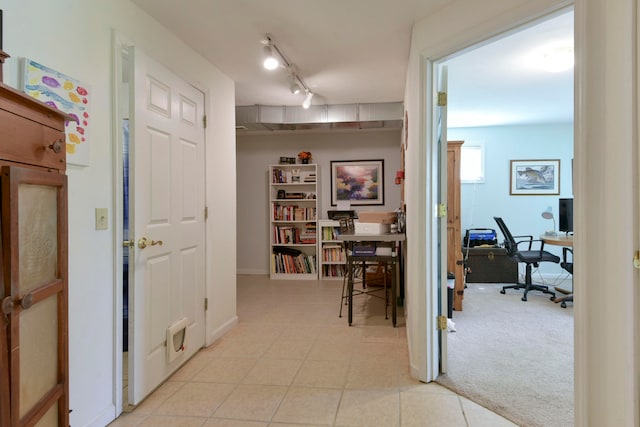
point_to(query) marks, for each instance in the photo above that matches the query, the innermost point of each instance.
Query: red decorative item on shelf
(304, 156)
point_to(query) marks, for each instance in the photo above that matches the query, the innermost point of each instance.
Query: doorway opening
(513, 136)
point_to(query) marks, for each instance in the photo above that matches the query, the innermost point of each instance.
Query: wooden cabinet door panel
(34, 246)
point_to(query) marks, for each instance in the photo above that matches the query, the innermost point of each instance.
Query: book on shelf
(293, 213)
(278, 176)
(292, 264)
(308, 235)
(332, 253)
(333, 270)
(330, 233)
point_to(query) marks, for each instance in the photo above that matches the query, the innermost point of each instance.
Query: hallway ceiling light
(271, 62)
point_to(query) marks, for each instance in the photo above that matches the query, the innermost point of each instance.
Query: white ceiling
(356, 51)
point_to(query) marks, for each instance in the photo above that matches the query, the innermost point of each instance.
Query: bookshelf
(293, 190)
(331, 257)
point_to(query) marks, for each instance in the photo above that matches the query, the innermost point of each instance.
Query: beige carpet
(513, 357)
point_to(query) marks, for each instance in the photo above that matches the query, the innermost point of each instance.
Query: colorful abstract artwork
(65, 94)
(360, 182)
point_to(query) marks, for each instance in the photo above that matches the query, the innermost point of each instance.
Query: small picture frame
(535, 177)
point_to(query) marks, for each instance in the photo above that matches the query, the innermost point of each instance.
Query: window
(472, 163)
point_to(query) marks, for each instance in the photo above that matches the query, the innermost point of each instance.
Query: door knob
(7, 305)
(143, 242)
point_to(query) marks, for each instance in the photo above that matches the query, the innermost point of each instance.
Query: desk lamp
(548, 214)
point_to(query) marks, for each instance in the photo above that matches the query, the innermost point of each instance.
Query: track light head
(307, 100)
(294, 87)
(270, 61)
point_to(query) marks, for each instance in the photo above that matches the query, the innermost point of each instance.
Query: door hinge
(204, 121)
(442, 99)
(206, 304)
(442, 210)
(636, 260)
(442, 323)
(206, 213)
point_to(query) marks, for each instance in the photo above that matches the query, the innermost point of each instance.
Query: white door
(440, 110)
(166, 288)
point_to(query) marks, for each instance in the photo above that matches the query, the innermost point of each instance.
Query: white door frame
(120, 97)
(431, 170)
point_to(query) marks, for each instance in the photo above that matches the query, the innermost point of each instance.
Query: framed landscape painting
(359, 182)
(535, 177)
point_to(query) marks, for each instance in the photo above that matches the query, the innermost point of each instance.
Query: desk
(389, 240)
(560, 240)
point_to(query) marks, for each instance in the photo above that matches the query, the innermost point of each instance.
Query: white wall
(255, 152)
(522, 214)
(74, 37)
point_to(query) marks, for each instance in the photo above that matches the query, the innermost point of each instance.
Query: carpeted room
(513, 357)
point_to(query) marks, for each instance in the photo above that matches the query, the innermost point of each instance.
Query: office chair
(531, 257)
(566, 264)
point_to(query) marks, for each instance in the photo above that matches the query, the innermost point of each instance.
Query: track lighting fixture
(307, 100)
(294, 86)
(271, 62)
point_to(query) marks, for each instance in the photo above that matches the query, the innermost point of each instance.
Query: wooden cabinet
(34, 376)
(454, 232)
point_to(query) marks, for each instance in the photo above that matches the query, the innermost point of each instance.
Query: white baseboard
(252, 271)
(219, 332)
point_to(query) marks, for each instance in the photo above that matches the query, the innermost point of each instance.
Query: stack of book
(310, 177)
(309, 233)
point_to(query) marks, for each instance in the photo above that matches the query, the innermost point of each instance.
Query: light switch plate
(102, 218)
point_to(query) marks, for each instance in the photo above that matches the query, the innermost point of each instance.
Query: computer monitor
(565, 215)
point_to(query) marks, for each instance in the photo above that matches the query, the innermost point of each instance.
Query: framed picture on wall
(535, 177)
(359, 182)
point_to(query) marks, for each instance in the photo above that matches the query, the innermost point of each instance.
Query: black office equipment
(336, 214)
(530, 256)
(565, 215)
(479, 237)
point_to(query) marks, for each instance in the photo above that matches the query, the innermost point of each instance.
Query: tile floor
(291, 361)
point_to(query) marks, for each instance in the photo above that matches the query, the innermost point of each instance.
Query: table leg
(350, 289)
(394, 285)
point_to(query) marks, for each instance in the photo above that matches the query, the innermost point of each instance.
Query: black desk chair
(566, 264)
(530, 256)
